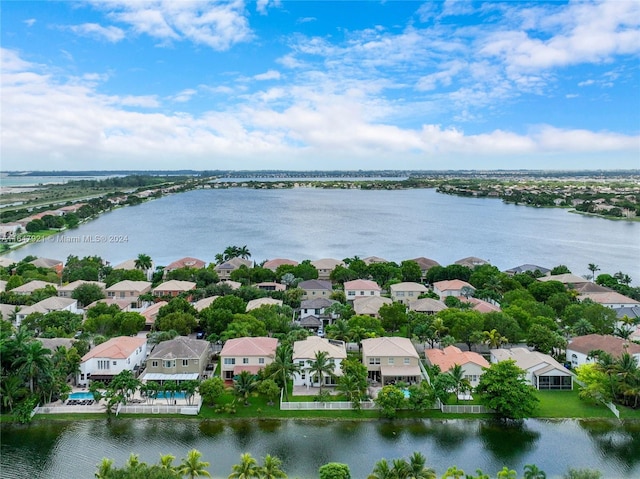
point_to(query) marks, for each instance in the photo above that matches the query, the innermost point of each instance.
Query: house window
(260, 360)
(245, 360)
(229, 360)
(169, 364)
(128, 360)
(115, 363)
(301, 364)
(317, 311)
(400, 294)
(351, 293)
(372, 293)
(391, 361)
(154, 364)
(303, 376)
(185, 363)
(374, 360)
(103, 364)
(407, 361)
(361, 293)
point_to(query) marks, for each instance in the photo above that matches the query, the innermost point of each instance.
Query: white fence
(322, 406)
(187, 410)
(68, 409)
(466, 409)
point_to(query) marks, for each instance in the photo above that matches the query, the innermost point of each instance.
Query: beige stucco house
(391, 359)
(360, 288)
(406, 292)
(178, 359)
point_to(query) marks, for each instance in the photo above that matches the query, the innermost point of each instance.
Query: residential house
(427, 305)
(225, 269)
(130, 291)
(48, 305)
(178, 359)
(370, 305)
(130, 265)
(542, 371)
(246, 354)
(48, 263)
(407, 291)
(273, 264)
(6, 262)
(568, 279)
(527, 268)
(374, 259)
(360, 288)
(313, 315)
(610, 299)
(187, 262)
(67, 290)
(391, 359)
(3, 285)
(150, 314)
(304, 354)
(481, 305)
(580, 348)
(270, 286)
(316, 288)
(326, 266)
(471, 262)
(110, 358)
(471, 362)
(204, 303)
(9, 231)
(453, 287)
(174, 288)
(31, 286)
(259, 302)
(425, 265)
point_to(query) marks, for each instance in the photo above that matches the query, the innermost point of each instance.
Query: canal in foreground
(71, 449)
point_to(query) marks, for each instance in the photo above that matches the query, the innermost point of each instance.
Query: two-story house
(406, 291)
(246, 354)
(129, 291)
(360, 288)
(225, 269)
(471, 362)
(108, 359)
(66, 291)
(326, 266)
(542, 371)
(304, 354)
(453, 287)
(580, 348)
(174, 288)
(391, 359)
(316, 288)
(178, 359)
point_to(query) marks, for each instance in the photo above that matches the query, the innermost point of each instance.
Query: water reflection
(211, 428)
(621, 444)
(450, 435)
(508, 442)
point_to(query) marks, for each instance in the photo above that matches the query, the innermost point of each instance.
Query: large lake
(71, 450)
(307, 223)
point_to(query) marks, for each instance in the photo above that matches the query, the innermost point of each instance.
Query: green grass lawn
(567, 404)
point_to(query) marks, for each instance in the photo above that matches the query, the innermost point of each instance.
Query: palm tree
(247, 469)
(453, 473)
(320, 367)
(382, 471)
(35, 361)
(105, 469)
(243, 252)
(243, 385)
(283, 366)
(461, 383)
(166, 461)
(338, 330)
(192, 466)
(144, 263)
(400, 469)
(417, 468)
(272, 468)
(350, 387)
(494, 339)
(11, 389)
(593, 268)
(531, 471)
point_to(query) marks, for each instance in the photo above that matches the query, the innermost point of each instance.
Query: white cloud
(185, 95)
(218, 25)
(30, 22)
(269, 75)
(110, 33)
(306, 20)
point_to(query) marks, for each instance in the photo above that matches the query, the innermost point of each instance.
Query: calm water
(71, 450)
(314, 223)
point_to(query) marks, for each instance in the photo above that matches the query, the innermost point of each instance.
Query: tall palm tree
(283, 366)
(338, 330)
(593, 268)
(494, 339)
(461, 383)
(320, 367)
(400, 469)
(453, 473)
(35, 361)
(144, 263)
(417, 468)
(166, 461)
(531, 471)
(247, 468)
(272, 468)
(105, 469)
(192, 466)
(382, 470)
(243, 385)
(243, 252)
(11, 389)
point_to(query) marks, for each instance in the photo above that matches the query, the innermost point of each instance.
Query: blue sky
(320, 85)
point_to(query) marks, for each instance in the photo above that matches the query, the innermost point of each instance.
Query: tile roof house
(542, 371)
(471, 262)
(391, 359)
(427, 305)
(325, 266)
(610, 299)
(48, 263)
(471, 362)
(151, 313)
(246, 354)
(425, 264)
(129, 290)
(304, 354)
(31, 286)
(67, 290)
(204, 303)
(370, 305)
(359, 288)
(48, 305)
(273, 264)
(259, 302)
(270, 286)
(173, 288)
(527, 268)
(316, 288)
(481, 305)
(225, 269)
(315, 308)
(179, 359)
(187, 262)
(407, 291)
(374, 259)
(566, 279)
(108, 359)
(453, 287)
(580, 347)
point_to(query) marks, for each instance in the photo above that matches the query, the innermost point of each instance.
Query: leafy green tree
(334, 470)
(390, 399)
(183, 323)
(575, 473)
(545, 340)
(87, 293)
(531, 471)
(421, 396)
(393, 316)
(504, 389)
(12, 390)
(244, 325)
(410, 271)
(270, 389)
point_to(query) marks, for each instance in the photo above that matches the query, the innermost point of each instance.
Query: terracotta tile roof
(609, 344)
(327, 263)
(127, 285)
(116, 348)
(31, 286)
(308, 348)
(204, 303)
(256, 303)
(388, 346)
(610, 297)
(450, 356)
(362, 284)
(427, 305)
(72, 286)
(453, 284)
(408, 286)
(187, 262)
(261, 346)
(274, 263)
(566, 278)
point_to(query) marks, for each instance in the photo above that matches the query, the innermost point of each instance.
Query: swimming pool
(176, 395)
(81, 396)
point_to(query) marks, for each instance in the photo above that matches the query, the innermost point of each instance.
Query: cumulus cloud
(30, 22)
(269, 75)
(110, 33)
